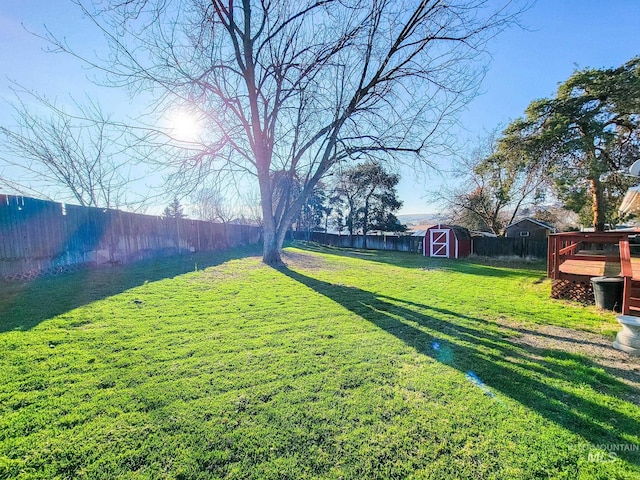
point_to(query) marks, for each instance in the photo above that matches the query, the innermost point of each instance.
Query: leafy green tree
(367, 197)
(584, 138)
(386, 221)
(315, 211)
(337, 217)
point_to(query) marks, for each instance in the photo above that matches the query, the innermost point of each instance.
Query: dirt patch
(307, 262)
(597, 348)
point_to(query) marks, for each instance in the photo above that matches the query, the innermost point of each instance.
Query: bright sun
(185, 126)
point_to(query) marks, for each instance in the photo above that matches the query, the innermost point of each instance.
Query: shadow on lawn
(474, 345)
(25, 305)
(472, 266)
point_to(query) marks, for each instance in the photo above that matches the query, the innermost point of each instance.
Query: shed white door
(439, 242)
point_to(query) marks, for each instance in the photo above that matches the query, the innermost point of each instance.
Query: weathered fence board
(38, 236)
(484, 246)
(508, 247)
(401, 243)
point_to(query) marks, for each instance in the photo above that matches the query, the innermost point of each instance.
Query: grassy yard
(345, 365)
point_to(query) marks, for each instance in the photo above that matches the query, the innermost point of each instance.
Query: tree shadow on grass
(543, 380)
(472, 266)
(514, 330)
(23, 305)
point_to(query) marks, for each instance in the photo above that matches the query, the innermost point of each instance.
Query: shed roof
(462, 233)
(537, 222)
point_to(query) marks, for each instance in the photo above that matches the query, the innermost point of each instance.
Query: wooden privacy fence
(404, 243)
(39, 237)
(510, 247)
(484, 246)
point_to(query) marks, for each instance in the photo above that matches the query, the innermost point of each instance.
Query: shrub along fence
(39, 237)
(484, 246)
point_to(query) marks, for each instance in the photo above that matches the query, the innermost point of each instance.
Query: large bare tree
(299, 86)
(51, 152)
(496, 182)
(211, 205)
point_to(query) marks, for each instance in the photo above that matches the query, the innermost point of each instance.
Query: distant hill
(412, 219)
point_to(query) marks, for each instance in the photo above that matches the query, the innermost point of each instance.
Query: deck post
(550, 254)
(626, 295)
(556, 259)
(626, 272)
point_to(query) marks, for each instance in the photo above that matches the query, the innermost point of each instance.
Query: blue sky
(560, 36)
(527, 64)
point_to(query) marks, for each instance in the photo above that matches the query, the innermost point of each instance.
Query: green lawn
(345, 365)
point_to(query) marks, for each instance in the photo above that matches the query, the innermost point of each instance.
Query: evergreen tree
(585, 138)
(174, 209)
(367, 199)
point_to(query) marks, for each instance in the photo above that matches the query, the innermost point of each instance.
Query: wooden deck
(574, 258)
(599, 268)
(590, 255)
(593, 268)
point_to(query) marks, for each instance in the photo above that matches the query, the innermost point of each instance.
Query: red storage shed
(447, 241)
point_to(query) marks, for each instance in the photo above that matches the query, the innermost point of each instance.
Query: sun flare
(185, 126)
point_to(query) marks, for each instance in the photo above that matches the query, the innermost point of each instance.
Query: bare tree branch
(299, 87)
(82, 156)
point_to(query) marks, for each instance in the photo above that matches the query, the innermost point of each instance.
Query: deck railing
(574, 246)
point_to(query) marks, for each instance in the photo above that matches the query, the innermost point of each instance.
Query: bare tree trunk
(494, 224)
(598, 205)
(365, 222)
(261, 70)
(270, 244)
(280, 234)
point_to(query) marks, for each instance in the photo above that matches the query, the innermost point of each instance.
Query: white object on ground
(628, 339)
